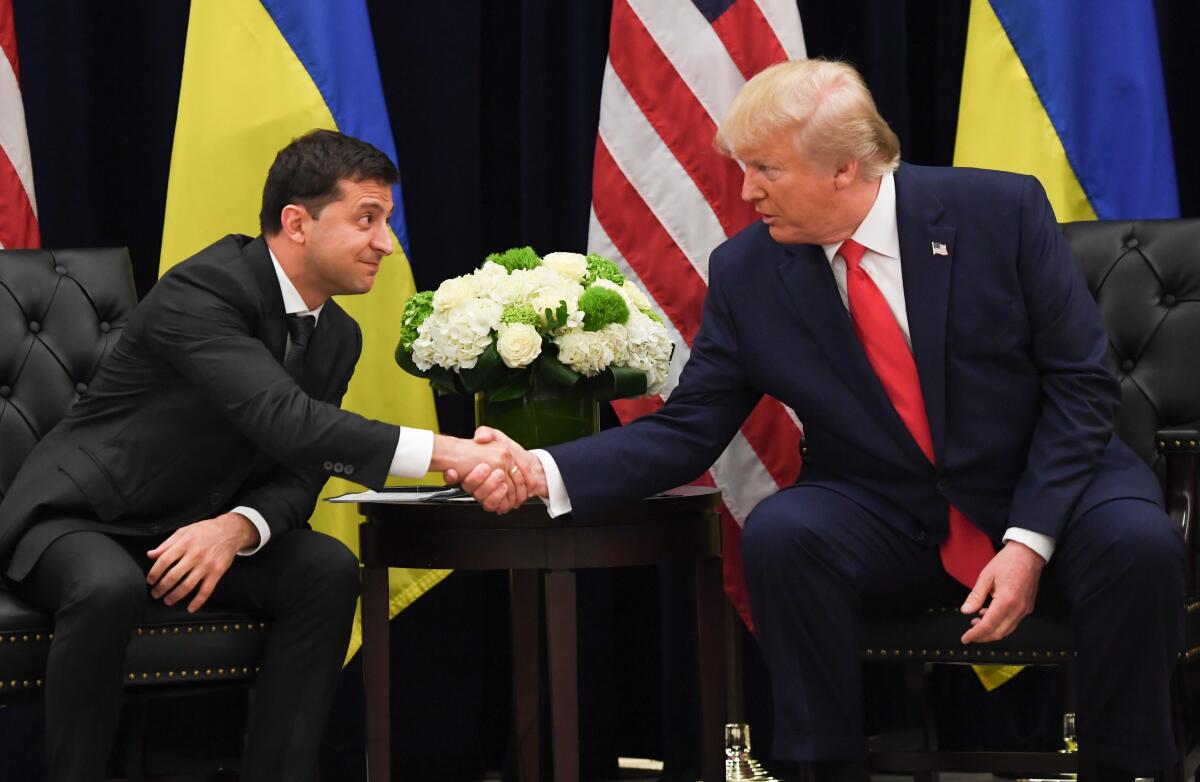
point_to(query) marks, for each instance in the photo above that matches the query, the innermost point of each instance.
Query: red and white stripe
(663, 199)
(18, 206)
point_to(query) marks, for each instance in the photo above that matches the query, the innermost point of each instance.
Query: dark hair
(307, 171)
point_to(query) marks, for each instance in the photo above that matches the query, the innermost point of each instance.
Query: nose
(382, 241)
(751, 191)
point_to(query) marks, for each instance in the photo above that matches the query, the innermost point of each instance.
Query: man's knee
(115, 598)
(1145, 546)
(781, 528)
(328, 567)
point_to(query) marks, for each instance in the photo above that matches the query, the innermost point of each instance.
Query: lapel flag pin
(939, 249)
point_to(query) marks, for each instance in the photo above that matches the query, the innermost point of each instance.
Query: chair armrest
(1180, 449)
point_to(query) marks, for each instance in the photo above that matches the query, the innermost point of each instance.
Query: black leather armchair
(1146, 279)
(61, 312)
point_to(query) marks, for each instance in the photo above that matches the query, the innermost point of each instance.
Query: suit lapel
(273, 327)
(926, 252)
(813, 295)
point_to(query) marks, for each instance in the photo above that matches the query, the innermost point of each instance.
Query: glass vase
(547, 415)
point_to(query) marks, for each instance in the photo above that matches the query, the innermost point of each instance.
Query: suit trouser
(816, 562)
(95, 586)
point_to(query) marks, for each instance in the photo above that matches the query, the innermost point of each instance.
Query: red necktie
(966, 549)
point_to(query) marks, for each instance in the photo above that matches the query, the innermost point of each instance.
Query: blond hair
(826, 107)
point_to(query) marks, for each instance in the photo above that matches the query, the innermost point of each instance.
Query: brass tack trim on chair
(1193, 652)
(38, 683)
(1193, 607)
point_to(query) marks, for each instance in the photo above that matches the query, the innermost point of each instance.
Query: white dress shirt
(414, 447)
(879, 233)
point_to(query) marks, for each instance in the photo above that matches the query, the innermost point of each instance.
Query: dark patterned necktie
(300, 328)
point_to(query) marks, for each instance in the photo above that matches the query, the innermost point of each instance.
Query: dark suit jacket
(193, 414)
(1008, 344)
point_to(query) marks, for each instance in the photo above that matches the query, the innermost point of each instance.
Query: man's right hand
(480, 484)
(501, 484)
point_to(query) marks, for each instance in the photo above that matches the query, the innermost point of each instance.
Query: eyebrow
(375, 204)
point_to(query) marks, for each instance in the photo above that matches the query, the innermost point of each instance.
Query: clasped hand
(496, 471)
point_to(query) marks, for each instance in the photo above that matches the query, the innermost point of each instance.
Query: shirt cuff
(255, 518)
(558, 503)
(1042, 544)
(414, 452)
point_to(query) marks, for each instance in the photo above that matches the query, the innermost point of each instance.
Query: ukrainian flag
(1070, 91)
(257, 74)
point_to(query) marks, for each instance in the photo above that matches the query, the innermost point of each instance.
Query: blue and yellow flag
(1070, 91)
(257, 74)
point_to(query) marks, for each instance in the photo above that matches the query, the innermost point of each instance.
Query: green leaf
(616, 383)
(441, 379)
(557, 318)
(516, 386)
(489, 367)
(554, 371)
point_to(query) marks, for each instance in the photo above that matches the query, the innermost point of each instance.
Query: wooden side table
(681, 525)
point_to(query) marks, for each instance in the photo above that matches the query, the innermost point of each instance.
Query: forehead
(779, 146)
(364, 192)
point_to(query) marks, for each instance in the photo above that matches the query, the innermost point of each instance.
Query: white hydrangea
(456, 338)
(587, 352)
(618, 340)
(518, 344)
(572, 266)
(649, 349)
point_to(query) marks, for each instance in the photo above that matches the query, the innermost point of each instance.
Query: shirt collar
(879, 231)
(293, 303)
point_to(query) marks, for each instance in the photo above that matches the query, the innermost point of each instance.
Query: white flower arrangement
(521, 320)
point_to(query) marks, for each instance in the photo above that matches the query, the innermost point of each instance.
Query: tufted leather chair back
(1146, 278)
(61, 312)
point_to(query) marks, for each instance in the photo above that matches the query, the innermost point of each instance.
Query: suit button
(349, 470)
(34, 327)
(920, 536)
(328, 466)
(338, 467)
(214, 499)
(941, 486)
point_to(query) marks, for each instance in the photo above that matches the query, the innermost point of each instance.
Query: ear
(845, 174)
(295, 219)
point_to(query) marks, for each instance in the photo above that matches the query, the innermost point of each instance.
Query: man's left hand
(195, 557)
(1011, 580)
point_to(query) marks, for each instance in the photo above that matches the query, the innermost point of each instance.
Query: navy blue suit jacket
(1008, 343)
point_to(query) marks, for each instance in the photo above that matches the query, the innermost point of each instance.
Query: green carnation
(521, 313)
(602, 306)
(602, 268)
(516, 258)
(416, 310)
(654, 316)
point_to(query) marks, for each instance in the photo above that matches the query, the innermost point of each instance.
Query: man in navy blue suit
(934, 335)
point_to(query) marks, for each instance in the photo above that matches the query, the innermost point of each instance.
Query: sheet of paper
(404, 494)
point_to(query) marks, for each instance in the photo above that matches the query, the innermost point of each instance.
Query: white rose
(518, 343)
(573, 266)
(635, 295)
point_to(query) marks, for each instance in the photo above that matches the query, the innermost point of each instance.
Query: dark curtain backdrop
(494, 108)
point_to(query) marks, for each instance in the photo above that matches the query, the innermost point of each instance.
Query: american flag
(18, 207)
(663, 199)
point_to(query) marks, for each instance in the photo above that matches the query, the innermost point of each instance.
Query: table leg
(710, 622)
(376, 686)
(562, 649)
(527, 674)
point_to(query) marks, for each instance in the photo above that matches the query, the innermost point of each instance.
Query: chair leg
(917, 676)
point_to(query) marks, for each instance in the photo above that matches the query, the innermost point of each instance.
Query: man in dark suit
(934, 335)
(195, 458)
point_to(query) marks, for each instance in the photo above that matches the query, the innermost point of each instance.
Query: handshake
(496, 471)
